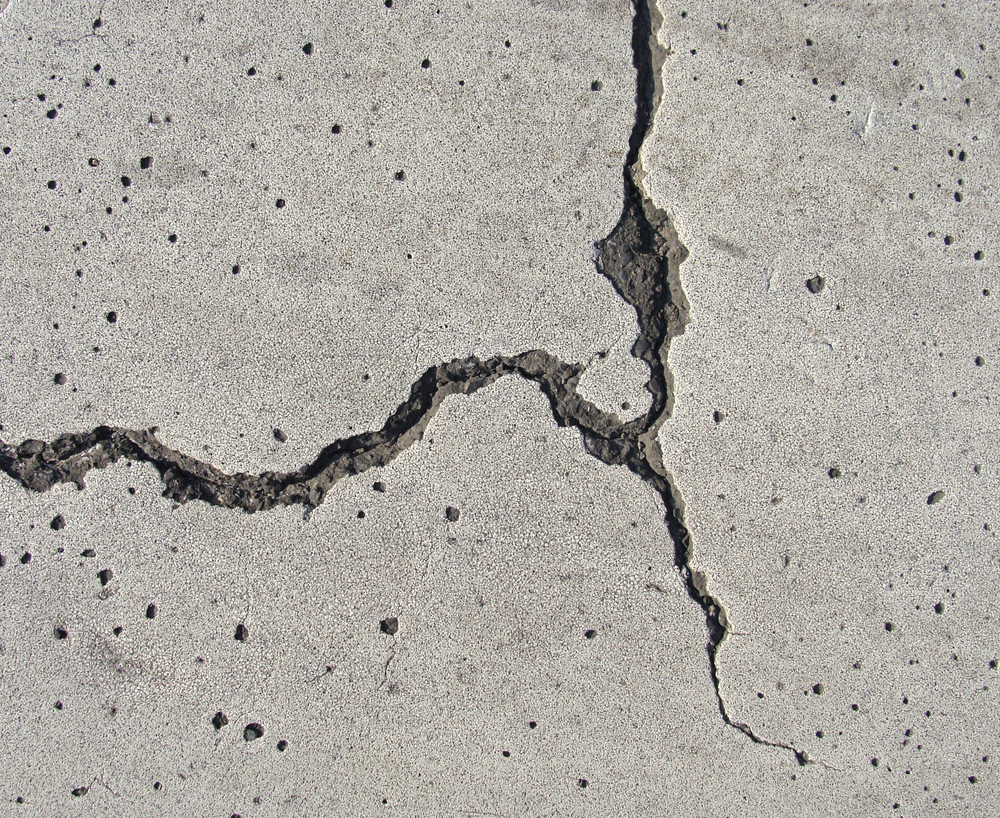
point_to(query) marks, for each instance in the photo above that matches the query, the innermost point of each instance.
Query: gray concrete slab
(451, 215)
(857, 146)
(560, 574)
(545, 659)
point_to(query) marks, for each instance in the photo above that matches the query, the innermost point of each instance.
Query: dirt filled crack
(641, 258)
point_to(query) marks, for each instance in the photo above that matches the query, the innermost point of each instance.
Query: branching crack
(641, 258)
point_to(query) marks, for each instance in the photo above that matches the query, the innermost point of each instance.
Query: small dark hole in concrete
(126, 181)
(79, 792)
(890, 627)
(532, 725)
(425, 63)
(93, 162)
(172, 238)
(590, 633)
(452, 514)
(282, 746)
(379, 486)
(146, 162)
(111, 317)
(51, 184)
(335, 129)
(979, 360)
(307, 49)
(242, 634)
(389, 625)
(251, 71)
(935, 497)
(252, 732)
(25, 558)
(939, 608)
(400, 175)
(52, 113)
(58, 523)
(279, 435)
(105, 576)
(59, 378)
(717, 416)
(596, 85)
(280, 203)
(151, 611)
(60, 633)
(583, 783)
(88, 552)
(220, 720)
(361, 514)
(818, 689)
(506, 754)
(834, 472)
(815, 284)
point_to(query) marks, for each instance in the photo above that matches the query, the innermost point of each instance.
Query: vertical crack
(641, 258)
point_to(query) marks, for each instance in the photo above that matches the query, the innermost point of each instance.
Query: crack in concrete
(641, 258)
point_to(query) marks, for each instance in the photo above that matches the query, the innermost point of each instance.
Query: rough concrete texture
(843, 499)
(449, 603)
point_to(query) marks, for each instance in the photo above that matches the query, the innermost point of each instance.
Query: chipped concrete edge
(641, 257)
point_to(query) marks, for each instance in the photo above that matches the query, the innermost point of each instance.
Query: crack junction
(641, 258)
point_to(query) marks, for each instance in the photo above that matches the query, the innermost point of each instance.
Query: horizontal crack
(39, 465)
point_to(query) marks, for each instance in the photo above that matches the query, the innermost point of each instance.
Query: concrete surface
(847, 410)
(492, 621)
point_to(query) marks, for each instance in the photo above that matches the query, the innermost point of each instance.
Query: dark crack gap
(641, 258)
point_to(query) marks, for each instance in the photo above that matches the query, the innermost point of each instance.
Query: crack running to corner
(641, 258)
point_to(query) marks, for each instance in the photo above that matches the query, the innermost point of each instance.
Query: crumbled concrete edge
(641, 258)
